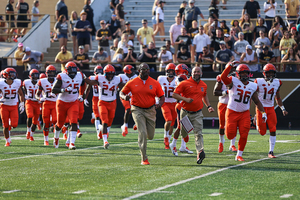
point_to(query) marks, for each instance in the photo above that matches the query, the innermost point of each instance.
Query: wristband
(62, 90)
(208, 106)
(282, 108)
(224, 92)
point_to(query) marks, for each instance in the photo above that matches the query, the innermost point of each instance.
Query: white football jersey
(222, 99)
(10, 92)
(47, 88)
(94, 87)
(267, 91)
(240, 95)
(168, 88)
(31, 89)
(125, 79)
(108, 89)
(68, 82)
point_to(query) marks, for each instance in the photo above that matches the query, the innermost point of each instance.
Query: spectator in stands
(275, 30)
(223, 56)
(260, 42)
(73, 21)
(207, 25)
(125, 43)
(229, 43)
(213, 9)
(117, 59)
(252, 8)
(250, 58)
(114, 47)
(260, 27)
(83, 29)
(151, 50)
(270, 12)
(295, 35)
(266, 56)
(275, 47)
(164, 57)
(130, 57)
(281, 22)
(61, 9)
(129, 31)
(215, 41)
(224, 3)
(19, 54)
(190, 14)
(61, 29)
(103, 35)
(240, 46)
(233, 35)
(194, 30)
(35, 13)
(32, 58)
(169, 48)
(285, 43)
(160, 17)
(206, 58)
(184, 40)
(112, 5)
(235, 24)
(247, 28)
(121, 14)
(175, 31)
(145, 34)
(9, 10)
(90, 16)
(82, 59)
(213, 29)
(154, 7)
(114, 26)
(63, 57)
(224, 27)
(201, 40)
(183, 56)
(291, 58)
(147, 57)
(181, 11)
(291, 11)
(22, 8)
(100, 57)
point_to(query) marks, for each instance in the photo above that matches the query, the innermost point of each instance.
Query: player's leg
(29, 113)
(221, 113)
(97, 116)
(174, 117)
(104, 118)
(80, 116)
(231, 125)
(244, 128)
(168, 120)
(111, 109)
(260, 125)
(73, 114)
(61, 110)
(46, 120)
(177, 131)
(35, 119)
(5, 123)
(124, 127)
(272, 122)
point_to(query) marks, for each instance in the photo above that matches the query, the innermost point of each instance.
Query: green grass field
(33, 171)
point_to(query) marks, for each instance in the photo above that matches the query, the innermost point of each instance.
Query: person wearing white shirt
(269, 9)
(125, 43)
(200, 40)
(164, 57)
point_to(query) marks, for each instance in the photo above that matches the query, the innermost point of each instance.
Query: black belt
(144, 108)
(191, 112)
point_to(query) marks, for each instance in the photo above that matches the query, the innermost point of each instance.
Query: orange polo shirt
(143, 94)
(191, 89)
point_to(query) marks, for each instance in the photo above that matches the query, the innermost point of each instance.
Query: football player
(32, 103)
(49, 100)
(221, 90)
(11, 90)
(129, 74)
(268, 90)
(240, 92)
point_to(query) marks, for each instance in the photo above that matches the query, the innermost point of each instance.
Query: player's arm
(91, 82)
(206, 102)
(21, 95)
(160, 102)
(280, 104)
(225, 78)
(218, 90)
(181, 98)
(121, 85)
(256, 100)
(87, 90)
(38, 92)
(57, 87)
(124, 96)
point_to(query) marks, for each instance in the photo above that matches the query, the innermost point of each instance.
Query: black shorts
(83, 41)
(22, 25)
(12, 24)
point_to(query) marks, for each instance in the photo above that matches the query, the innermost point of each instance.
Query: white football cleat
(173, 149)
(72, 146)
(185, 150)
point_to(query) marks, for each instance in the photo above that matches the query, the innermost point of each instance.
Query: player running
(268, 89)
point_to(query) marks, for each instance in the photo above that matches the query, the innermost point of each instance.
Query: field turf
(30, 170)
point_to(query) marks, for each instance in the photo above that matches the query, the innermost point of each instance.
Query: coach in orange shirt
(192, 92)
(144, 89)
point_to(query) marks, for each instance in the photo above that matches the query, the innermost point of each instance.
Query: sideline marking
(201, 176)
(215, 194)
(286, 196)
(10, 191)
(79, 192)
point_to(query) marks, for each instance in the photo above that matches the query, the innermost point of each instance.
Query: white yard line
(201, 176)
(11, 191)
(79, 192)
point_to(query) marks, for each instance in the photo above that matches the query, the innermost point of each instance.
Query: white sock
(97, 123)
(31, 133)
(221, 139)
(232, 142)
(272, 142)
(8, 140)
(45, 138)
(73, 135)
(166, 133)
(126, 125)
(108, 129)
(100, 127)
(68, 137)
(104, 138)
(183, 144)
(78, 126)
(169, 137)
(28, 129)
(239, 153)
(56, 133)
(174, 142)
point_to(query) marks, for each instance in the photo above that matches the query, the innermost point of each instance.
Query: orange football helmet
(128, 69)
(269, 71)
(71, 69)
(9, 73)
(109, 72)
(181, 69)
(98, 70)
(243, 68)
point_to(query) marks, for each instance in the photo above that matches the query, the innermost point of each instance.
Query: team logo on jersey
(151, 87)
(104, 82)
(47, 85)
(263, 84)
(5, 87)
(202, 89)
(68, 82)
(164, 84)
(239, 86)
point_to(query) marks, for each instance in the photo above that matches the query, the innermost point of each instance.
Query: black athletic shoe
(200, 157)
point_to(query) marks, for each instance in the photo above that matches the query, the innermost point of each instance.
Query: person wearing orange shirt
(192, 92)
(143, 90)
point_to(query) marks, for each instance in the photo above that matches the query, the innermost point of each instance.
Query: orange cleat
(232, 148)
(46, 143)
(166, 142)
(7, 144)
(271, 155)
(220, 147)
(106, 145)
(27, 135)
(31, 138)
(67, 145)
(146, 162)
(56, 143)
(124, 130)
(134, 127)
(100, 135)
(79, 134)
(93, 120)
(239, 158)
